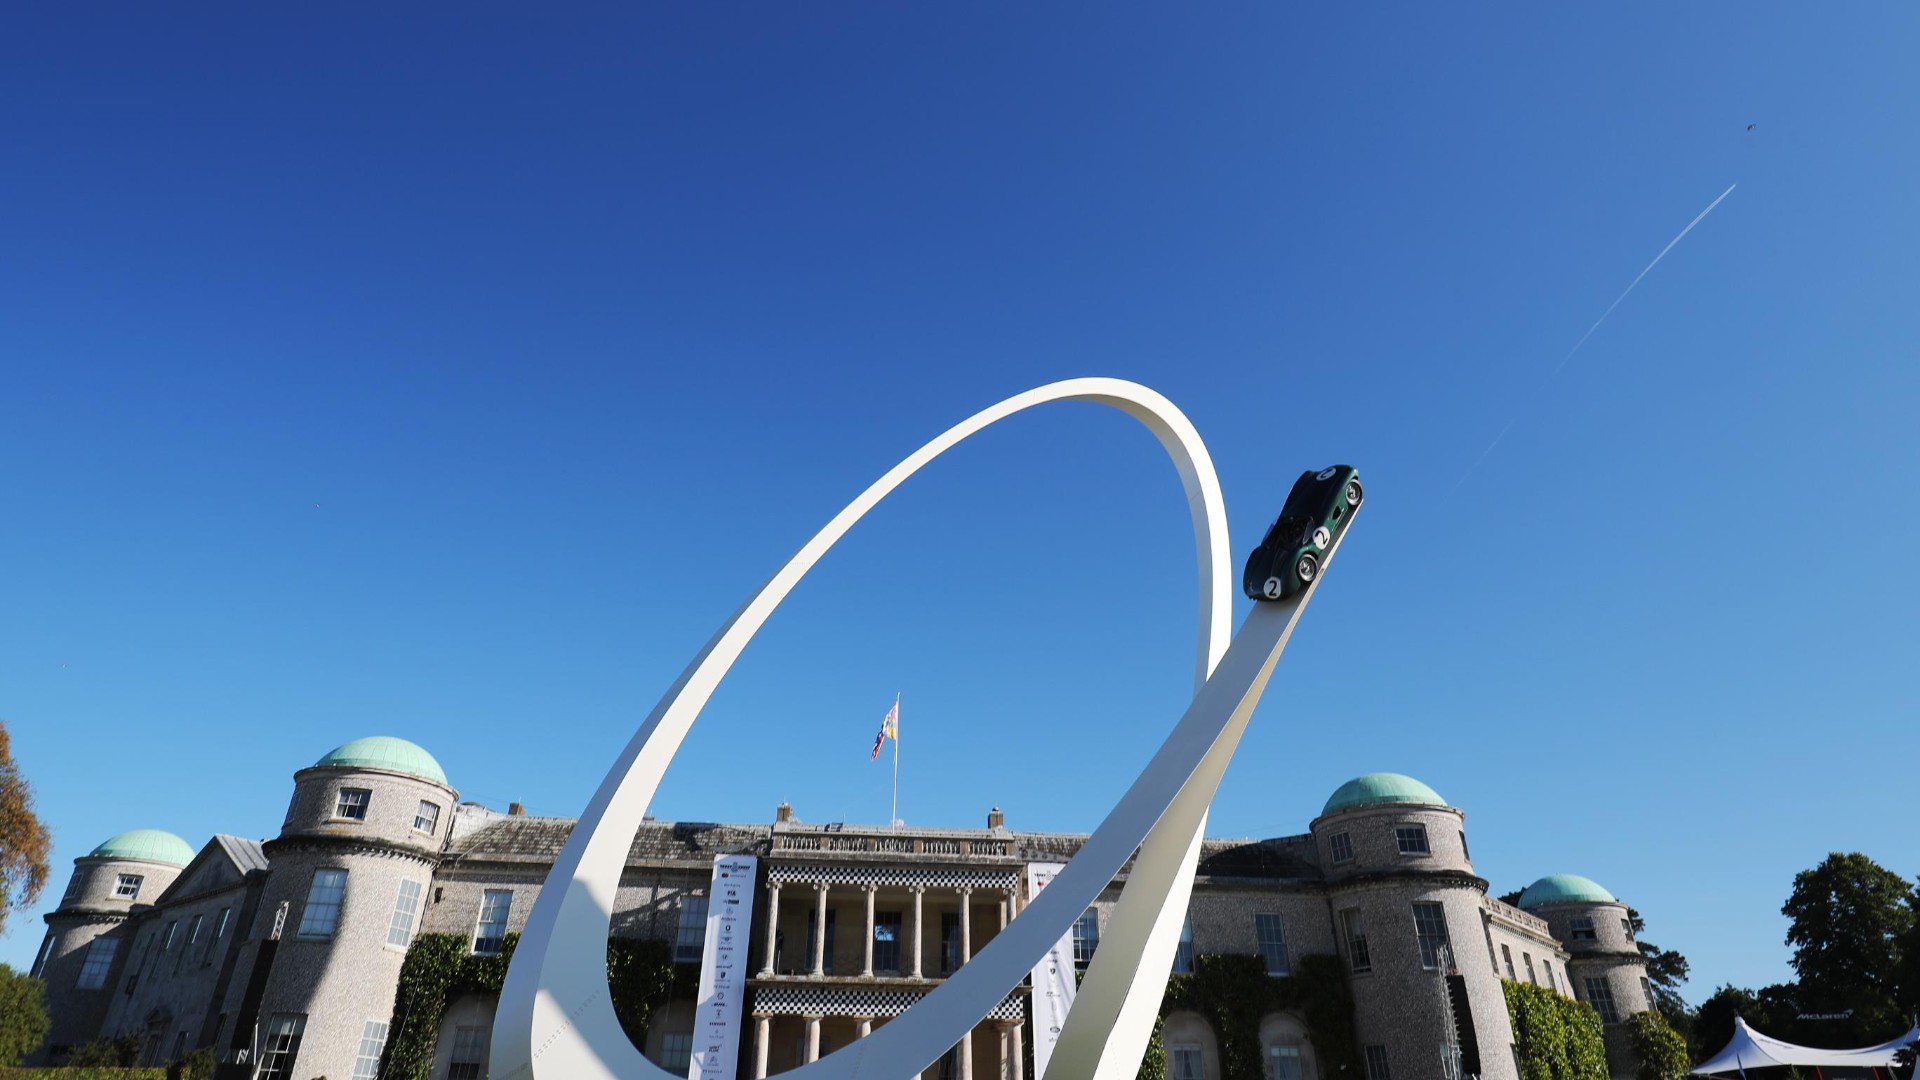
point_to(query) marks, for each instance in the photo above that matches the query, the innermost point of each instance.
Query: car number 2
(1272, 589)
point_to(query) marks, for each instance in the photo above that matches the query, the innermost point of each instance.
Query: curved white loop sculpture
(555, 1019)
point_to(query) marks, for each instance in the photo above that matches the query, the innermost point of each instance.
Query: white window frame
(468, 1058)
(1285, 1050)
(281, 1050)
(127, 886)
(1434, 947)
(1272, 946)
(1183, 952)
(220, 928)
(429, 812)
(1086, 938)
(1340, 848)
(166, 942)
(406, 905)
(490, 946)
(1602, 1002)
(344, 806)
(320, 915)
(1178, 1053)
(690, 936)
(1580, 928)
(1411, 839)
(1353, 934)
(373, 1043)
(1377, 1065)
(676, 1051)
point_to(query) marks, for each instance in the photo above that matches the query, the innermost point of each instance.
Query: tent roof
(1748, 1049)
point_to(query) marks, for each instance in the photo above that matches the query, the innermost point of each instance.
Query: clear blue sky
(454, 373)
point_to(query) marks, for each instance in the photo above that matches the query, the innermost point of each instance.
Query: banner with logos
(723, 969)
(1052, 978)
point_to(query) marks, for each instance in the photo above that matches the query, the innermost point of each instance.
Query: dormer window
(1412, 839)
(1582, 928)
(127, 887)
(353, 804)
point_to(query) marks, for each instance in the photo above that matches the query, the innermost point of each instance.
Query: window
(73, 889)
(690, 943)
(427, 818)
(322, 913)
(292, 805)
(491, 930)
(40, 961)
(949, 941)
(1377, 1063)
(1548, 965)
(1356, 934)
(405, 904)
(282, 1046)
(1185, 1059)
(676, 1052)
(167, 941)
(127, 887)
(179, 1045)
(886, 941)
(1086, 938)
(1582, 928)
(1506, 955)
(1183, 953)
(353, 804)
(1626, 927)
(93, 971)
(1412, 839)
(373, 1039)
(1528, 959)
(1600, 996)
(220, 927)
(1340, 845)
(469, 1053)
(1463, 847)
(1430, 926)
(1283, 1063)
(1272, 935)
(1647, 989)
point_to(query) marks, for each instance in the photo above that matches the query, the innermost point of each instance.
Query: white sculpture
(555, 1019)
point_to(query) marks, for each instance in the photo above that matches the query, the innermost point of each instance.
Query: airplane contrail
(1698, 218)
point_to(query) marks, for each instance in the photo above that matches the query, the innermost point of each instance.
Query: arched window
(1285, 1051)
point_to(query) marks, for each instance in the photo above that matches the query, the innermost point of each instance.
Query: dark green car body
(1315, 515)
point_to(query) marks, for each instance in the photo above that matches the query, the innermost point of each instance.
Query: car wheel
(1307, 567)
(1321, 538)
(1353, 493)
(1273, 588)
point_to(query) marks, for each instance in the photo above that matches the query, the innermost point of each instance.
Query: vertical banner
(1052, 978)
(723, 969)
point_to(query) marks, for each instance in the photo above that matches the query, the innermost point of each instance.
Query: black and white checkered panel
(855, 1001)
(958, 877)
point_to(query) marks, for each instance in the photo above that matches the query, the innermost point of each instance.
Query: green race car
(1316, 513)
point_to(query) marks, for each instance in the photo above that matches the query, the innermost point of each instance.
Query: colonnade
(1006, 902)
(1010, 1036)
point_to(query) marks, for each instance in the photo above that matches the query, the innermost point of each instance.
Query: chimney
(996, 819)
(783, 812)
(514, 809)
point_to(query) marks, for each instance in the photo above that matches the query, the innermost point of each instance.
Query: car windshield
(1289, 529)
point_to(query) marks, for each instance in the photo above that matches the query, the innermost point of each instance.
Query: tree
(1772, 1010)
(1850, 916)
(24, 841)
(23, 1015)
(1662, 1050)
(1666, 971)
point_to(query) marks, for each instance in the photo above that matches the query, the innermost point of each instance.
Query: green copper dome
(1565, 889)
(385, 752)
(1375, 789)
(153, 845)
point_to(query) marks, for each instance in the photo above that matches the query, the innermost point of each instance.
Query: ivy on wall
(640, 972)
(1662, 1050)
(1234, 992)
(1556, 1038)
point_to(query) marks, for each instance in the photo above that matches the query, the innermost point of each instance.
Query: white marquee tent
(1751, 1050)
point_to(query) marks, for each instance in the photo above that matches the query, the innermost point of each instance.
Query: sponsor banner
(723, 969)
(1052, 978)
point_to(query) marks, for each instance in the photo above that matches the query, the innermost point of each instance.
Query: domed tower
(352, 868)
(1604, 962)
(1407, 919)
(81, 955)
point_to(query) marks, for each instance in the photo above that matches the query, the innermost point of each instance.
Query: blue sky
(454, 373)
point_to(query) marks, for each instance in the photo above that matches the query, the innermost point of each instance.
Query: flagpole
(895, 817)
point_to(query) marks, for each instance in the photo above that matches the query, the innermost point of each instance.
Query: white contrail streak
(1698, 218)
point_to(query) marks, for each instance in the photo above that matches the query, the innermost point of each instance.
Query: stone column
(1006, 910)
(864, 1028)
(762, 1039)
(966, 925)
(919, 894)
(819, 945)
(773, 926)
(1000, 1044)
(1017, 1044)
(813, 1039)
(965, 1069)
(866, 968)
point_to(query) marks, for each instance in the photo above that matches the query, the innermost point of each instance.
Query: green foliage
(1556, 1038)
(195, 1065)
(1234, 992)
(1153, 1064)
(1666, 971)
(84, 1072)
(640, 974)
(1662, 1050)
(1850, 917)
(111, 1053)
(23, 1015)
(25, 841)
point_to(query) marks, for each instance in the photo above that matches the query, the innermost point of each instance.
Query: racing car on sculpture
(1316, 513)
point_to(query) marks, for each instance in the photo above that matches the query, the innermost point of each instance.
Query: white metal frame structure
(555, 1019)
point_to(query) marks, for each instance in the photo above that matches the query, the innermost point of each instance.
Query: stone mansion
(284, 955)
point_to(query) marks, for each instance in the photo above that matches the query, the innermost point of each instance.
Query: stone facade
(284, 955)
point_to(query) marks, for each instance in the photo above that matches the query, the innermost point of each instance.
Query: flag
(889, 729)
